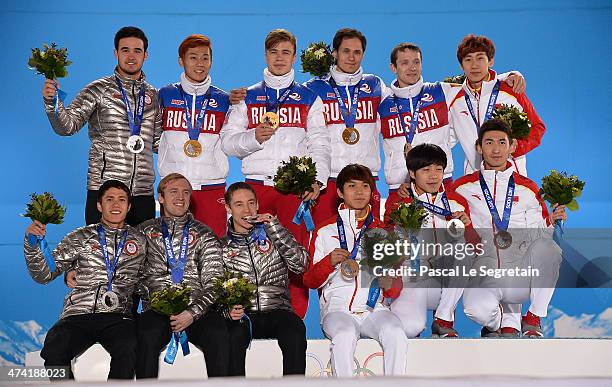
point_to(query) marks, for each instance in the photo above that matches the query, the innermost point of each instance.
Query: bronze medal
(271, 118)
(192, 148)
(502, 239)
(407, 148)
(349, 269)
(350, 136)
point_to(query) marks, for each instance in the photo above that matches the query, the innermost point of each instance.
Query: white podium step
(427, 358)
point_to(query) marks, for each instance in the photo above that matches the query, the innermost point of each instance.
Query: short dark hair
(355, 172)
(131, 32)
(472, 43)
(108, 184)
(424, 155)
(227, 196)
(347, 33)
(193, 41)
(402, 47)
(494, 125)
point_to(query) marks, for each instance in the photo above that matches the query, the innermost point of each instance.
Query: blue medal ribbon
(134, 120)
(258, 235)
(194, 130)
(44, 247)
(246, 317)
(110, 267)
(374, 292)
(446, 211)
(349, 114)
(303, 214)
(176, 339)
(415, 262)
(60, 96)
(490, 106)
(414, 119)
(177, 266)
(273, 107)
(500, 224)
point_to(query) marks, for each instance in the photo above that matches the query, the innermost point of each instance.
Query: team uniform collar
(278, 81)
(195, 88)
(344, 79)
(408, 91)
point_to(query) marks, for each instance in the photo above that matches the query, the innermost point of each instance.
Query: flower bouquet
(517, 120)
(47, 210)
(297, 177)
(317, 59)
(562, 189)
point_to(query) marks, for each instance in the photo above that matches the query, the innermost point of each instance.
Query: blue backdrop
(562, 48)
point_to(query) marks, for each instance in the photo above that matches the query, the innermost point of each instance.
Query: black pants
(283, 325)
(208, 333)
(143, 208)
(73, 335)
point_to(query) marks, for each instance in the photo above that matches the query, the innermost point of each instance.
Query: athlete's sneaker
(510, 333)
(531, 326)
(489, 334)
(443, 328)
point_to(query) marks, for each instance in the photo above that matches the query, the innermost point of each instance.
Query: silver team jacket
(101, 105)
(80, 250)
(202, 265)
(266, 266)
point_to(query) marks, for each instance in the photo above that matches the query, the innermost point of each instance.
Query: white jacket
(212, 166)
(301, 132)
(367, 150)
(338, 294)
(529, 217)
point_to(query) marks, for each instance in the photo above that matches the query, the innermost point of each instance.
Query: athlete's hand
(517, 83)
(236, 312)
(49, 91)
(558, 213)
(36, 228)
(237, 95)
(314, 194)
(263, 132)
(462, 216)
(181, 321)
(404, 190)
(338, 256)
(71, 279)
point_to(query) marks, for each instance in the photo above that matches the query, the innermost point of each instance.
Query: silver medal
(110, 301)
(135, 144)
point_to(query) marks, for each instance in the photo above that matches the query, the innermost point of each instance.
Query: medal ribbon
(490, 106)
(176, 339)
(280, 101)
(60, 96)
(110, 267)
(414, 119)
(438, 210)
(194, 130)
(303, 214)
(134, 120)
(33, 241)
(177, 266)
(500, 224)
(258, 235)
(349, 114)
(342, 235)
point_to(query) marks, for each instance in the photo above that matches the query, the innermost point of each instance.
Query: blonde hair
(167, 180)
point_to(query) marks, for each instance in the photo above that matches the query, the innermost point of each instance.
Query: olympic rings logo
(326, 371)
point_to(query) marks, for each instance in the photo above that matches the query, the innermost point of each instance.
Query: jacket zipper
(255, 272)
(134, 154)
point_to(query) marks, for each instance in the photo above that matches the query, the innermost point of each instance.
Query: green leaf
(572, 206)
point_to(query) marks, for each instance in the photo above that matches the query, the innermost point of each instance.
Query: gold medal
(407, 148)
(349, 269)
(270, 118)
(192, 148)
(350, 136)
